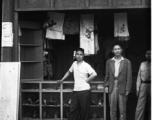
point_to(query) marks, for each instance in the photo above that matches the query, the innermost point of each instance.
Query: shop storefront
(45, 58)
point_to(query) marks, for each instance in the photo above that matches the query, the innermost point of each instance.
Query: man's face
(79, 55)
(148, 55)
(117, 50)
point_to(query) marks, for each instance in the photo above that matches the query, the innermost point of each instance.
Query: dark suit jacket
(124, 76)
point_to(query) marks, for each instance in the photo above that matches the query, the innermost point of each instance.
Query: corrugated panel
(99, 3)
(34, 3)
(81, 4)
(69, 3)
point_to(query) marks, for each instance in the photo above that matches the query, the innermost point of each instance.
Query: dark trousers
(79, 108)
(115, 98)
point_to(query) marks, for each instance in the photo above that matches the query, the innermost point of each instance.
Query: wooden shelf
(30, 45)
(30, 105)
(60, 96)
(29, 90)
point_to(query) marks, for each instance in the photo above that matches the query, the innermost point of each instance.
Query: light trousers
(144, 96)
(116, 98)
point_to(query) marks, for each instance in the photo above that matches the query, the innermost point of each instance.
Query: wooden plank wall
(9, 90)
(81, 4)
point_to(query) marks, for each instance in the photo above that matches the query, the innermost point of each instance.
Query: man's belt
(147, 81)
(115, 78)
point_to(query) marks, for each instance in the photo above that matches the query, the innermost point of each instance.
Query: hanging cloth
(96, 43)
(71, 24)
(121, 26)
(55, 35)
(56, 21)
(54, 26)
(87, 33)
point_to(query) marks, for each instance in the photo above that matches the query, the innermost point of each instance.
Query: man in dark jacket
(118, 82)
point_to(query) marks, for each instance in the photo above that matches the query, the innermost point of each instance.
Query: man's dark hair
(116, 43)
(80, 49)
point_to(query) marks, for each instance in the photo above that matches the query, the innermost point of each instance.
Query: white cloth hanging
(96, 43)
(55, 35)
(56, 21)
(121, 26)
(55, 26)
(87, 33)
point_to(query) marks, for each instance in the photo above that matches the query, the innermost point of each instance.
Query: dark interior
(139, 26)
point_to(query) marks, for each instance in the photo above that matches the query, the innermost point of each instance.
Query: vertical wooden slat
(40, 100)
(87, 2)
(143, 2)
(52, 3)
(61, 101)
(109, 3)
(104, 104)
(16, 4)
(15, 49)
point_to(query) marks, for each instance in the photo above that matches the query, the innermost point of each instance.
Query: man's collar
(122, 58)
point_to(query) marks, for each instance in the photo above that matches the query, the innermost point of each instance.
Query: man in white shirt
(118, 82)
(83, 74)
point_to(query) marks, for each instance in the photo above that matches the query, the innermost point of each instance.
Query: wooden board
(9, 90)
(29, 5)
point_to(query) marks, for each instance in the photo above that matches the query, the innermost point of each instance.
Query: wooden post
(7, 16)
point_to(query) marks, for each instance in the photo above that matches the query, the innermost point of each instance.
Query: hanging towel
(54, 26)
(121, 26)
(71, 24)
(96, 44)
(55, 35)
(55, 21)
(87, 33)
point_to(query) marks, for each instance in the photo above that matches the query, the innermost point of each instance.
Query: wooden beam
(88, 8)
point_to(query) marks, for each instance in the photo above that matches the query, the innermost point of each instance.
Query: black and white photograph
(75, 60)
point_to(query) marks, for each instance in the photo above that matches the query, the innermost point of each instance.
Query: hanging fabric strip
(121, 26)
(54, 26)
(71, 24)
(56, 21)
(96, 44)
(87, 33)
(55, 35)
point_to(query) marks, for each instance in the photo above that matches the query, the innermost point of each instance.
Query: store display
(93, 102)
(34, 114)
(94, 116)
(50, 97)
(44, 114)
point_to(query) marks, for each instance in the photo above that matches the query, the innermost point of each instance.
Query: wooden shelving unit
(31, 51)
(47, 98)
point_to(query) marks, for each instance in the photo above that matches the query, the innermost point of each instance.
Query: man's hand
(106, 89)
(127, 92)
(59, 81)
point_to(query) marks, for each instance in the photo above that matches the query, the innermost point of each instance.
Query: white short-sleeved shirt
(80, 75)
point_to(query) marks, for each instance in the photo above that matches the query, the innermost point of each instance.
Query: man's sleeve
(129, 77)
(90, 69)
(71, 68)
(107, 75)
(138, 83)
